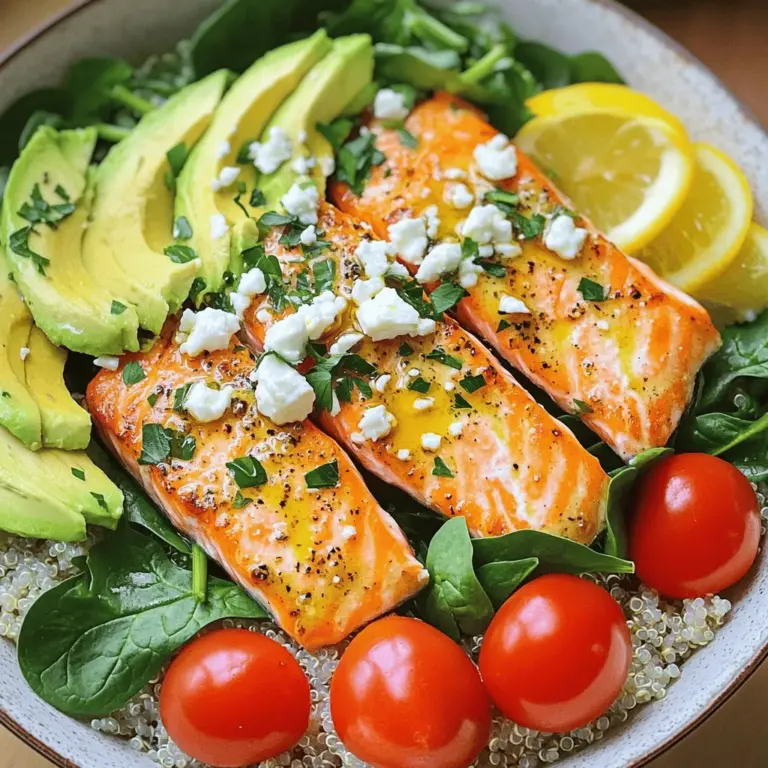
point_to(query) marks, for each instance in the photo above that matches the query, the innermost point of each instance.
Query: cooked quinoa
(664, 634)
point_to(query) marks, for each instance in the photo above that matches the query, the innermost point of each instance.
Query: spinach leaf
(92, 642)
(593, 67)
(324, 476)
(248, 472)
(555, 553)
(551, 68)
(501, 579)
(90, 83)
(455, 601)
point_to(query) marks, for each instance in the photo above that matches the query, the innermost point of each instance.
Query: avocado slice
(132, 217)
(18, 411)
(65, 424)
(239, 120)
(68, 305)
(322, 96)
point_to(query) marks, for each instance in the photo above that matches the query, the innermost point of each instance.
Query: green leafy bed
(93, 641)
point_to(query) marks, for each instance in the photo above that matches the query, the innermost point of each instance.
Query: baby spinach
(92, 642)
(501, 579)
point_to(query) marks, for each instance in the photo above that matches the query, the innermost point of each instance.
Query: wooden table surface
(730, 37)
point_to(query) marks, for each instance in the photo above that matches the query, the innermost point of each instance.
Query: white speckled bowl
(650, 61)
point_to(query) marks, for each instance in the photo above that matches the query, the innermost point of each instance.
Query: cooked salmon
(465, 438)
(622, 353)
(324, 562)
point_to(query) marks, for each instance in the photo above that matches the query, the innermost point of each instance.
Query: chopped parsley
(180, 254)
(504, 201)
(473, 383)
(78, 473)
(470, 249)
(493, 268)
(503, 325)
(336, 132)
(258, 200)
(197, 287)
(182, 229)
(19, 244)
(133, 373)
(273, 274)
(460, 402)
(152, 399)
(159, 443)
(446, 296)
(324, 274)
(100, 500)
(441, 468)
(324, 476)
(420, 385)
(582, 407)
(38, 211)
(248, 472)
(412, 292)
(180, 397)
(407, 139)
(356, 159)
(529, 228)
(240, 501)
(405, 349)
(439, 354)
(176, 157)
(592, 291)
(321, 378)
(117, 308)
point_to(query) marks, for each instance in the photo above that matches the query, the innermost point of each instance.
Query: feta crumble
(374, 255)
(497, 159)
(454, 174)
(512, 305)
(107, 362)
(207, 331)
(443, 258)
(282, 394)
(508, 250)
(387, 316)
(403, 454)
(364, 290)
(469, 273)
(459, 196)
(308, 236)
(223, 150)
(345, 342)
(288, 337)
(227, 176)
(409, 239)
(381, 383)
(377, 422)
(271, 154)
(321, 314)
(431, 221)
(487, 225)
(205, 404)
(302, 201)
(456, 428)
(252, 283)
(424, 403)
(303, 164)
(389, 105)
(219, 226)
(24, 353)
(564, 237)
(430, 441)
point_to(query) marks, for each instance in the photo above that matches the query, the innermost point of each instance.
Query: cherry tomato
(406, 696)
(556, 654)
(696, 526)
(234, 697)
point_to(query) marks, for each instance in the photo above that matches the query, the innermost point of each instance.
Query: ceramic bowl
(651, 62)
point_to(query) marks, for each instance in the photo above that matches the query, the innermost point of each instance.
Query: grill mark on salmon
(513, 464)
(633, 358)
(324, 562)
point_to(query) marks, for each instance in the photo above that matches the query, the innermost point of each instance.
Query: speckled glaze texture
(650, 62)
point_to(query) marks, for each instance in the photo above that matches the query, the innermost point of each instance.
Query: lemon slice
(585, 97)
(707, 232)
(629, 174)
(743, 286)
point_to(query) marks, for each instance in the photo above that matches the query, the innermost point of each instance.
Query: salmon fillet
(502, 462)
(626, 365)
(324, 562)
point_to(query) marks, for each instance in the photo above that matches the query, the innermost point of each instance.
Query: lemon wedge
(628, 173)
(743, 287)
(585, 97)
(708, 230)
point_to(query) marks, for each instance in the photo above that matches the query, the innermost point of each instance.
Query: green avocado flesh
(132, 217)
(240, 118)
(68, 305)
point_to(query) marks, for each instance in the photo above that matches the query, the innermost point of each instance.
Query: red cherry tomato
(557, 653)
(406, 696)
(696, 526)
(234, 697)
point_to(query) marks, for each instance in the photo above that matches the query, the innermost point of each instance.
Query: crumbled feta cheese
(219, 226)
(374, 255)
(223, 150)
(328, 165)
(454, 173)
(485, 251)
(381, 383)
(564, 237)
(263, 316)
(456, 428)
(459, 196)
(414, 372)
(270, 155)
(443, 258)
(389, 105)
(430, 441)
(335, 404)
(308, 236)
(206, 331)
(357, 438)
(302, 201)
(510, 304)
(288, 337)
(449, 386)
(387, 316)
(205, 404)
(240, 302)
(396, 269)
(345, 342)
(508, 250)
(348, 531)
(409, 239)
(468, 273)
(227, 176)
(486, 224)
(377, 422)
(497, 159)
(24, 353)
(431, 221)
(403, 454)
(107, 361)
(282, 394)
(303, 164)
(424, 403)
(363, 290)
(321, 313)
(603, 325)
(252, 283)
(301, 136)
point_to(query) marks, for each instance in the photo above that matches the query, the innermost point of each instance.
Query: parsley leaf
(460, 402)
(155, 444)
(117, 308)
(355, 160)
(473, 383)
(412, 292)
(405, 349)
(469, 249)
(197, 287)
(321, 382)
(420, 385)
(592, 291)
(180, 254)
(273, 273)
(176, 157)
(503, 325)
(407, 139)
(493, 268)
(439, 354)
(504, 201)
(528, 227)
(324, 476)
(240, 501)
(441, 468)
(78, 473)
(133, 373)
(180, 397)
(19, 244)
(38, 211)
(182, 229)
(247, 471)
(324, 273)
(152, 399)
(258, 199)
(446, 296)
(182, 446)
(336, 132)
(582, 407)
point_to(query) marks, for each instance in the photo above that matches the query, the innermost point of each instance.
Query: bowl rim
(613, 6)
